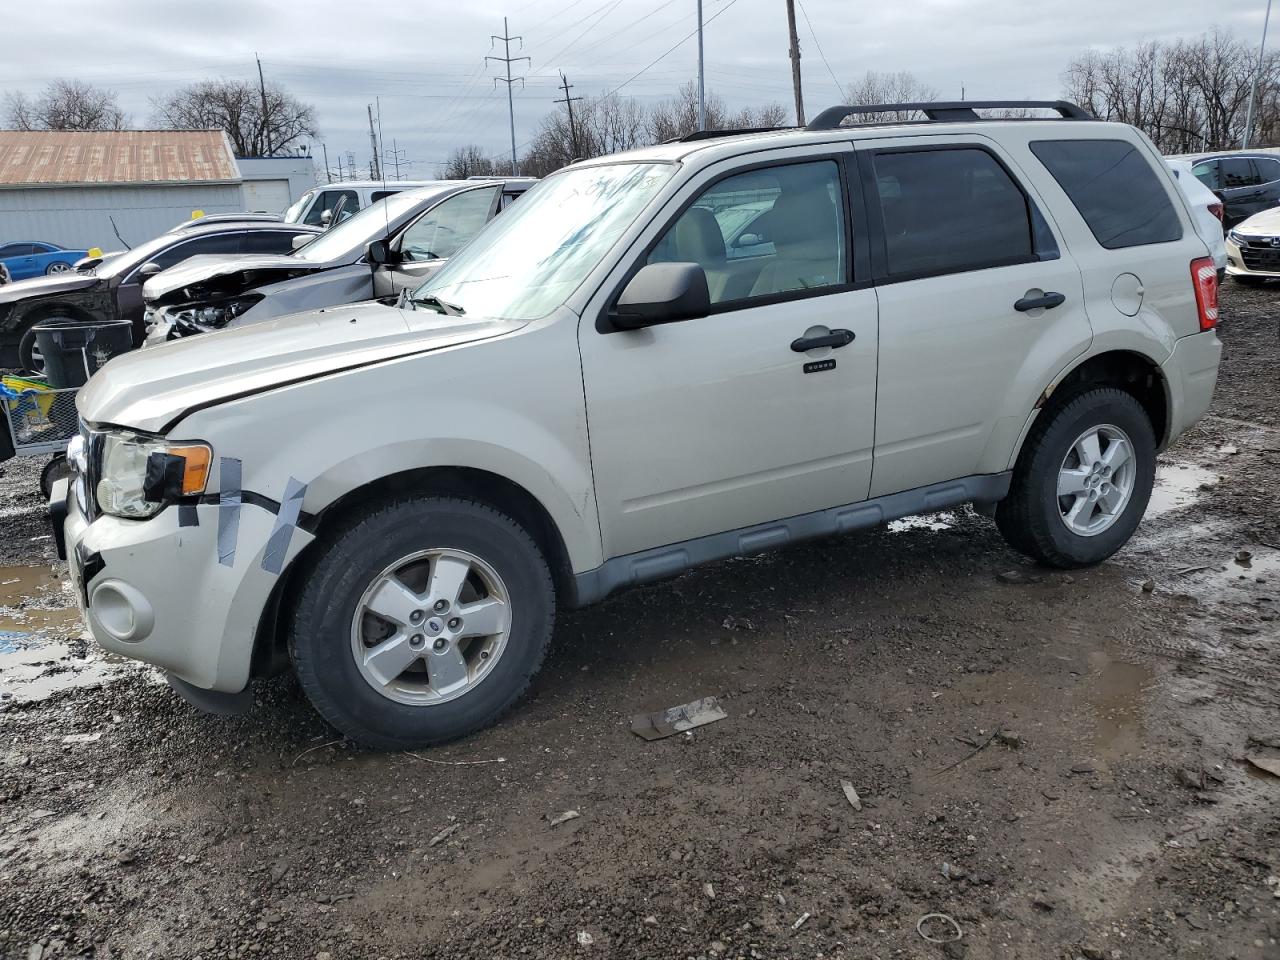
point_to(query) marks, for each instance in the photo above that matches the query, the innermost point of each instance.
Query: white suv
(598, 392)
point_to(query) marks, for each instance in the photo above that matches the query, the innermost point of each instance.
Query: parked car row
(706, 348)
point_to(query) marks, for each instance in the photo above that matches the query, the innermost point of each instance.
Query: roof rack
(734, 132)
(941, 111)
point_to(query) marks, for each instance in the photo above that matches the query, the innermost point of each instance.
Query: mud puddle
(1179, 485)
(43, 644)
(1117, 690)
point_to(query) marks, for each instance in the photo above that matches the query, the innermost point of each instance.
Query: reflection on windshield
(294, 213)
(527, 261)
(349, 238)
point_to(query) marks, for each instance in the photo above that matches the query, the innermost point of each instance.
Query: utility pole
(266, 120)
(702, 75)
(795, 61)
(327, 175)
(395, 157)
(374, 172)
(1253, 87)
(340, 176)
(506, 39)
(566, 86)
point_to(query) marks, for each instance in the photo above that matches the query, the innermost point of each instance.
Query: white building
(81, 189)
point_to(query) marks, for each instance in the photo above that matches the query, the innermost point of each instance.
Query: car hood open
(224, 275)
(150, 390)
(44, 286)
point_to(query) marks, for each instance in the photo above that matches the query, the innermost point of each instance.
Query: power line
(506, 39)
(814, 34)
(670, 50)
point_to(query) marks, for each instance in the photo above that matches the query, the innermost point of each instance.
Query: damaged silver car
(414, 233)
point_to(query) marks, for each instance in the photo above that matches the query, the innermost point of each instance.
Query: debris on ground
(940, 922)
(444, 834)
(1018, 577)
(564, 817)
(737, 623)
(1268, 764)
(851, 795)
(673, 720)
(801, 921)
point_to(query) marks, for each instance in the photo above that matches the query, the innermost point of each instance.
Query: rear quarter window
(1115, 189)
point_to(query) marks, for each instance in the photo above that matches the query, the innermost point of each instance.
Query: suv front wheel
(421, 621)
(1083, 480)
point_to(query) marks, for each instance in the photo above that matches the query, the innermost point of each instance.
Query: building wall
(272, 183)
(78, 216)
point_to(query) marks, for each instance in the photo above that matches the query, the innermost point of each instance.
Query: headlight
(212, 316)
(141, 475)
(1235, 238)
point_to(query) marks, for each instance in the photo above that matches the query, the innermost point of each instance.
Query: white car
(1207, 209)
(1253, 248)
(394, 500)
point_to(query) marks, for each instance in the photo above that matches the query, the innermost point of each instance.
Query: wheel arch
(1132, 370)
(269, 649)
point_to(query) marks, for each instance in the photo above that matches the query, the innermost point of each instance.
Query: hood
(151, 389)
(229, 274)
(1265, 224)
(43, 286)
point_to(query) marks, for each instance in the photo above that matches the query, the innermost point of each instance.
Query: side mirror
(326, 217)
(149, 269)
(662, 293)
(748, 240)
(301, 240)
(380, 254)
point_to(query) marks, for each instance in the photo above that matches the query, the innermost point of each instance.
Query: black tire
(27, 358)
(1030, 518)
(1245, 280)
(53, 471)
(347, 563)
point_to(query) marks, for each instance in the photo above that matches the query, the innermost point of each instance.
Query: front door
(976, 296)
(742, 416)
(432, 239)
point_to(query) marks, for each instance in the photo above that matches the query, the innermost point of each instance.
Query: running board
(659, 563)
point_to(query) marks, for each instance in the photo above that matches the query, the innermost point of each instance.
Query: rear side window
(268, 241)
(1115, 190)
(947, 211)
(1268, 170)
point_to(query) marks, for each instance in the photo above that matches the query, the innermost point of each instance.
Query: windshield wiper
(442, 306)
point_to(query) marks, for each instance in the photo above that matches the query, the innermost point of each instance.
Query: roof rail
(711, 134)
(943, 110)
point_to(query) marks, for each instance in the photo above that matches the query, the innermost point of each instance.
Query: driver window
(443, 229)
(765, 232)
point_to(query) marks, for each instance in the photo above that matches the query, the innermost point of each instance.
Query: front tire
(1082, 482)
(420, 621)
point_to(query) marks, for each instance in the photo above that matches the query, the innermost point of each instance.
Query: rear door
(1240, 190)
(977, 297)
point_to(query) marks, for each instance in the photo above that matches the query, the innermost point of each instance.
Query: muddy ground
(1054, 761)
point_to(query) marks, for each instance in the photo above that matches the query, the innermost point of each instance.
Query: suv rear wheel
(1083, 480)
(421, 621)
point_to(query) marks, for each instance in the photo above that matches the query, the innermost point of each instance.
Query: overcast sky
(425, 59)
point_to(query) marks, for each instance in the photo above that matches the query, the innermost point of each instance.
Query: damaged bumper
(161, 592)
(1191, 373)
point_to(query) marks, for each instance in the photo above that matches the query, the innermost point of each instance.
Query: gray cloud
(425, 61)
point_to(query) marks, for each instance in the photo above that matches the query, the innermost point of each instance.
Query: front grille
(1261, 258)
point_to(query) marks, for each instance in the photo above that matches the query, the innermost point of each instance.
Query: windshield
(528, 261)
(294, 213)
(347, 240)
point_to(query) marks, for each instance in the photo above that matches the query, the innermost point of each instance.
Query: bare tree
(236, 106)
(1187, 95)
(65, 105)
(468, 161)
(900, 87)
(678, 116)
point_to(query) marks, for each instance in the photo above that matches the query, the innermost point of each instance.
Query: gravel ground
(1056, 762)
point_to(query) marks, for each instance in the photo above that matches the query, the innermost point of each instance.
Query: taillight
(1216, 210)
(1204, 276)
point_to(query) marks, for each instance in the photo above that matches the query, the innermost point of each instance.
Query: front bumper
(155, 591)
(1259, 258)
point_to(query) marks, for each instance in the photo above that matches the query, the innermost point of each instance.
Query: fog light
(122, 611)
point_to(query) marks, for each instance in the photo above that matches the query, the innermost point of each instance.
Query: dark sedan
(112, 289)
(1246, 183)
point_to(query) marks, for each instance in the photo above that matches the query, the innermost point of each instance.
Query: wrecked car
(416, 232)
(109, 287)
(394, 500)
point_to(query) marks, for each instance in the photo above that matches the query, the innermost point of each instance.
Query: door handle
(836, 338)
(1047, 300)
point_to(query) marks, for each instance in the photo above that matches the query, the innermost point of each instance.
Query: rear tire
(1037, 517)
(415, 544)
(29, 357)
(55, 470)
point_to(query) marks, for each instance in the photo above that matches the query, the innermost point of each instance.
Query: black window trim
(133, 274)
(879, 250)
(857, 254)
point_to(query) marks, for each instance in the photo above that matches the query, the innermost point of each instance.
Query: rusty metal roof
(56, 157)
